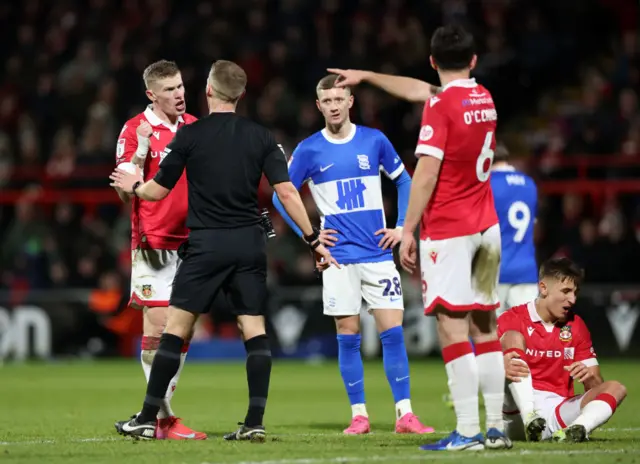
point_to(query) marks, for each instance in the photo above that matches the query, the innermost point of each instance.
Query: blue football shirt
(344, 179)
(516, 201)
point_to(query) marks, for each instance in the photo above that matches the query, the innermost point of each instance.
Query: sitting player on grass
(546, 348)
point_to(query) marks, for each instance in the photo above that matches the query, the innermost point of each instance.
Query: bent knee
(616, 389)
(155, 321)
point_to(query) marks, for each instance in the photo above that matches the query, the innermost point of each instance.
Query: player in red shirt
(459, 236)
(546, 348)
(157, 228)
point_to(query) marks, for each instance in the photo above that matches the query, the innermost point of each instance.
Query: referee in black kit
(224, 155)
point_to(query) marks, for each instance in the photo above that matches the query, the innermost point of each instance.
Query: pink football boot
(409, 423)
(359, 426)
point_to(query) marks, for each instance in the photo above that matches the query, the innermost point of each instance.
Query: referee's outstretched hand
(324, 259)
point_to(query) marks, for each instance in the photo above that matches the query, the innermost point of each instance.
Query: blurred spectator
(72, 75)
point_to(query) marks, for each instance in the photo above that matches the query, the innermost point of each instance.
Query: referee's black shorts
(232, 261)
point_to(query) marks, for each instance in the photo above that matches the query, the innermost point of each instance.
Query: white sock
(522, 393)
(146, 358)
(403, 407)
(491, 380)
(594, 414)
(165, 410)
(463, 385)
(359, 409)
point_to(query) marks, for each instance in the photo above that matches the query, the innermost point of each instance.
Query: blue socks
(396, 363)
(351, 367)
(396, 367)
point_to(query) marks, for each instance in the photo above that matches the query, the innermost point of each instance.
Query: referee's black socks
(258, 376)
(165, 365)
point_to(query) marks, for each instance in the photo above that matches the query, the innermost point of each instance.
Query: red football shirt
(159, 225)
(458, 127)
(550, 347)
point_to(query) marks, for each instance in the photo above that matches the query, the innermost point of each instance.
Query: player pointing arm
(459, 235)
(405, 88)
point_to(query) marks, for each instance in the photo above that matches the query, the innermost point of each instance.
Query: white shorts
(559, 412)
(448, 277)
(515, 294)
(152, 273)
(378, 283)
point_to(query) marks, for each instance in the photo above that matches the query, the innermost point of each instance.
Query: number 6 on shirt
(485, 160)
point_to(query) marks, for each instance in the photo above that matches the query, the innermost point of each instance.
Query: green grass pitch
(64, 413)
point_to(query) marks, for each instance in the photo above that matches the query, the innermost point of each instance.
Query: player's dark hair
(452, 48)
(159, 70)
(500, 153)
(561, 269)
(329, 82)
(228, 80)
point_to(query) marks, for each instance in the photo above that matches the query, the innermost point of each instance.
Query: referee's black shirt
(225, 156)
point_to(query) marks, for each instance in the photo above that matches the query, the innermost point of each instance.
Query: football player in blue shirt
(342, 164)
(516, 201)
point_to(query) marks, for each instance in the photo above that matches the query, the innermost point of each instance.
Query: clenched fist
(144, 129)
(144, 132)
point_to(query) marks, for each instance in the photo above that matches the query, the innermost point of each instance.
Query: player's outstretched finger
(341, 81)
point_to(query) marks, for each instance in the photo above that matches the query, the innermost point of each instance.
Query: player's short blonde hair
(227, 80)
(159, 70)
(329, 82)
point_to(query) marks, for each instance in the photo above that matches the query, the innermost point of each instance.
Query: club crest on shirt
(565, 334)
(147, 291)
(363, 162)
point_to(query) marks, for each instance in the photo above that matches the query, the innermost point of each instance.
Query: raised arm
(405, 88)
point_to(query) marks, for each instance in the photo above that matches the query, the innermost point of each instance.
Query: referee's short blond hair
(159, 70)
(227, 80)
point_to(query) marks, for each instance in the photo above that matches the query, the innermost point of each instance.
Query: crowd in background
(72, 76)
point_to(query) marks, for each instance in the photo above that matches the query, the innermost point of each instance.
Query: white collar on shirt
(467, 83)
(347, 139)
(535, 317)
(533, 314)
(154, 120)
